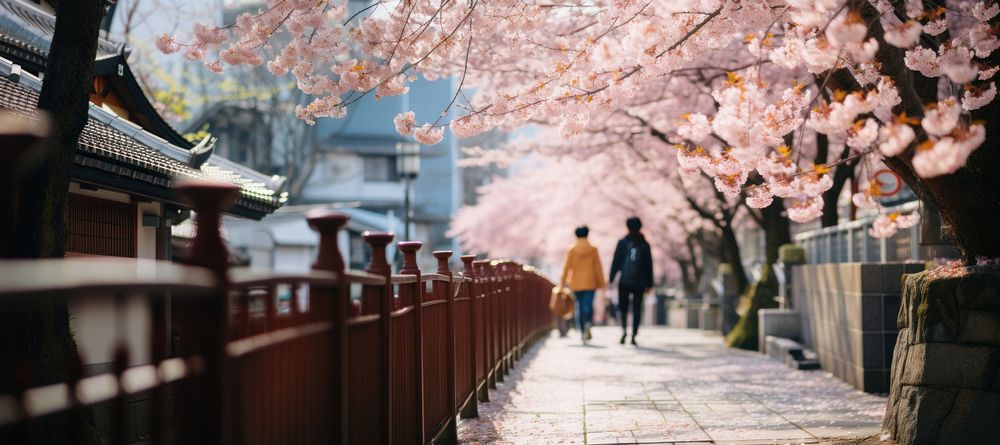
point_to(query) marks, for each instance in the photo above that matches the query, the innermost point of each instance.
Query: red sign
(889, 183)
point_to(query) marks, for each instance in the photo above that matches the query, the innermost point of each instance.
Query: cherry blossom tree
(906, 81)
(513, 218)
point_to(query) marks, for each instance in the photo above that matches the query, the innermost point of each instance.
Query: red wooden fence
(398, 364)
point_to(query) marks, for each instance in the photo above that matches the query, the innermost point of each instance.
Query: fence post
(442, 269)
(508, 325)
(471, 409)
(328, 224)
(409, 249)
(864, 243)
(499, 370)
(850, 244)
(489, 322)
(379, 266)
(209, 199)
(469, 271)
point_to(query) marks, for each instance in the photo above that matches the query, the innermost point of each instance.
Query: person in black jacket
(635, 262)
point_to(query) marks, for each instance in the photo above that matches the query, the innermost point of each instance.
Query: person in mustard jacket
(583, 274)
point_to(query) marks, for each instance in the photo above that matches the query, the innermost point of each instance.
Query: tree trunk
(686, 281)
(777, 229)
(69, 74)
(35, 339)
(841, 174)
(731, 254)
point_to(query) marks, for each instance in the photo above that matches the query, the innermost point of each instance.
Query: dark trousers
(628, 296)
(584, 308)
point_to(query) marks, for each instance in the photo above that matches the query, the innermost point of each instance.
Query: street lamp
(408, 167)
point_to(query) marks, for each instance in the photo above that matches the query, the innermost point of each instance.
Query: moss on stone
(725, 268)
(791, 253)
(760, 295)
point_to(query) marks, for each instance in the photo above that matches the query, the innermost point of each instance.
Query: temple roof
(25, 36)
(30, 28)
(118, 154)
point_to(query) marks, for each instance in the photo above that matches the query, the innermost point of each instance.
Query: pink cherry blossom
(847, 28)
(985, 10)
(983, 40)
(936, 27)
(695, 128)
(468, 126)
(166, 44)
(948, 154)
(882, 227)
(974, 99)
(885, 226)
(956, 63)
(923, 60)
(405, 123)
(759, 196)
(894, 138)
(941, 117)
(806, 210)
(863, 200)
(904, 35)
(612, 78)
(863, 135)
(428, 135)
(814, 185)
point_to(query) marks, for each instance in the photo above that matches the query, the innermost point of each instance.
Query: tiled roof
(115, 146)
(29, 27)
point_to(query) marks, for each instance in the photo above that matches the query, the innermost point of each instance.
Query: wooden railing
(234, 356)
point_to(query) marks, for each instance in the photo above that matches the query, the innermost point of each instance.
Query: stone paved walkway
(677, 386)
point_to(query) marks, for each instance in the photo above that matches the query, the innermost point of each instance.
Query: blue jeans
(584, 308)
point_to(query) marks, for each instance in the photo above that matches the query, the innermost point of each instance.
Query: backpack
(632, 271)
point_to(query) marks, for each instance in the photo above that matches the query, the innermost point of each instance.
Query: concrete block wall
(684, 313)
(849, 317)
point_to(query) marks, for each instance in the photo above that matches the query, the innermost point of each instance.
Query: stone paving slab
(678, 386)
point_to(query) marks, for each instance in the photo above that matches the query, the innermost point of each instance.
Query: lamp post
(408, 167)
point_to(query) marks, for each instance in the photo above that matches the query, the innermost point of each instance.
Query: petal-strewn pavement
(677, 386)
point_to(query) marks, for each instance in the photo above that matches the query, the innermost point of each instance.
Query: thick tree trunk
(65, 93)
(761, 295)
(35, 339)
(686, 280)
(731, 254)
(777, 229)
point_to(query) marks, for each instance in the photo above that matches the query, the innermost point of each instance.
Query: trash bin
(660, 310)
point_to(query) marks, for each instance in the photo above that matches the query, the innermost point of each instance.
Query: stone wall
(849, 317)
(946, 366)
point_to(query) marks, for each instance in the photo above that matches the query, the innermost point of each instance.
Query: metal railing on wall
(244, 357)
(850, 242)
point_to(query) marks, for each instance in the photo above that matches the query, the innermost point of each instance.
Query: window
(380, 169)
(100, 227)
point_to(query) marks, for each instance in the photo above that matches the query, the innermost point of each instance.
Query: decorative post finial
(328, 223)
(442, 258)
(378, 242)
(467, 268)
(209, 199)
(409, 249)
